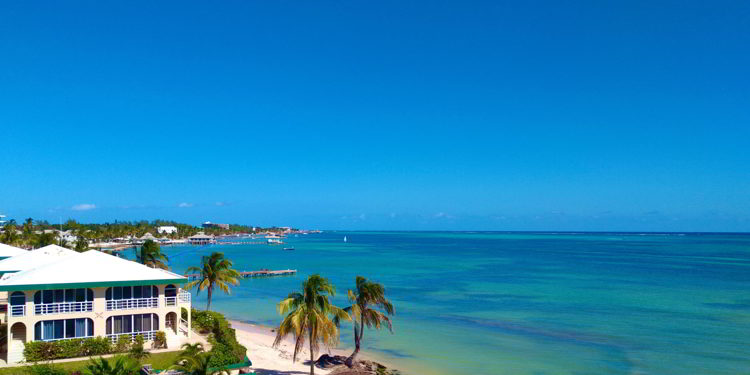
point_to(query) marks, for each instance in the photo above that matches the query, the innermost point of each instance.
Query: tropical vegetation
(366, 298)
(150, 255)
(225, 349)
(215, 270)
(118, 365)
(37, 233)
(310, 316)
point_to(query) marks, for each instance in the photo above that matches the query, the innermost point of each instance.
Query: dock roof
(88, 270)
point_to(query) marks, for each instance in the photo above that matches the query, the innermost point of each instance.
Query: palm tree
(215, 270)
(196, 365)
(367, 295)
(119, 365)
(191, 350)
(151, 255)
(309, 314)
(10, 236)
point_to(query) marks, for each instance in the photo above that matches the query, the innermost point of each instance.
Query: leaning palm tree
(310, 316)
(119, 365)
(150, 255)
(215, 270)
(196, 365)
(364, 298)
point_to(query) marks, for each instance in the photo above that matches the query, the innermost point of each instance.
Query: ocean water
(523, 303)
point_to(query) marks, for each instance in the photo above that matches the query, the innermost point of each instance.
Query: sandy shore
(268, 360)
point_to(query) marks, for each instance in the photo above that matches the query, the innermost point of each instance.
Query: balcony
(63, 307)
(18, 310)
(182, 298)
(132, 303)
(147, 335)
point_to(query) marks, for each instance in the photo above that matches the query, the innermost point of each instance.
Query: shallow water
(523, 303)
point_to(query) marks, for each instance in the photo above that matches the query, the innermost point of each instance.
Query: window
(63, 329)
(63, 296)
(127, 292)
(17, 298)
(170, 291)
(132, 323)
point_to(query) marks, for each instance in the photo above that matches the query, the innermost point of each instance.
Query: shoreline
(267, 360)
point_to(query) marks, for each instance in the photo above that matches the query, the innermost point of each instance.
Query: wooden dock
(261, 273)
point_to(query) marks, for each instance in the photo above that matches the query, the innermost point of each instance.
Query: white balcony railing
(69, 338)
(147, 335)
(184, 326)
(184, 296)
(132, 303)
(63, 307)
(18, 310)
(170, 301)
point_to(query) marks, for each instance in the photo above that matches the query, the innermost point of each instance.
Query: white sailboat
(344, 238)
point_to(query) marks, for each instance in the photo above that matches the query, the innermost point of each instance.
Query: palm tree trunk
(210, 291)
(312, 355)
(357, 339)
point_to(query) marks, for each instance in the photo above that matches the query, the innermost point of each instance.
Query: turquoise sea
(485, 303)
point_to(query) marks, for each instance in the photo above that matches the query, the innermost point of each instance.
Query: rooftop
(87, 270)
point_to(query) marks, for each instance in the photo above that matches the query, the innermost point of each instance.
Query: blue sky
(379, 115)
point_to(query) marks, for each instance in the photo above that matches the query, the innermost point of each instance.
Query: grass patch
(159, 361)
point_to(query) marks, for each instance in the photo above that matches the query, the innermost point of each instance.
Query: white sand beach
(268, 360)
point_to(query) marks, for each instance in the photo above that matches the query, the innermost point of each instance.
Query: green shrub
(225, 348)
(96, 346)
(123, 344)
(160, 340)
(36, 351)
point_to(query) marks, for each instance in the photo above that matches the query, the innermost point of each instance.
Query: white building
(54, 293)
(7, 251)
(167, 229)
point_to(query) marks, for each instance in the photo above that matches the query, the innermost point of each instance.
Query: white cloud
(184, 205)
(221, 204)
(83, 207)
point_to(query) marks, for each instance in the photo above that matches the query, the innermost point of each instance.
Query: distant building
(167, 229)
(209, 224)
(201, 239)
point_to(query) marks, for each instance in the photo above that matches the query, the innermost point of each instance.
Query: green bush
(225, 349)
(96, 346)
(123, 344)
(36, 351)
(160, 340)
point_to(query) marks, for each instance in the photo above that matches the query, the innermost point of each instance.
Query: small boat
(344, 238)
(288, 248)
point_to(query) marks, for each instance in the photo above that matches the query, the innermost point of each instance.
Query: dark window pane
(90, 327)
(89, 294)
(146, 322)
(108, 294)
(70, 328)
(48, 296)
(70, 295)
(154, 291)
(155, 324)
(59, 328)
(109, 325)
(137, 323)
(118, 292)
(127, 323)
(137, 292)
(59, 295)
(17, 298)
(80, 295)
(117, 324)
(37, 298)
(38, 331)
(147, 292)
(126, 293)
